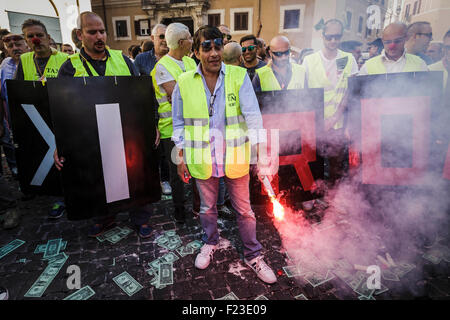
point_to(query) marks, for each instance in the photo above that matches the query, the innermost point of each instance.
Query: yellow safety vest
(197, 152)
(375, 65)
(317, 78)
(439, 66)
(51, 69)
(269, 82)
(165, 125)
(115, 65)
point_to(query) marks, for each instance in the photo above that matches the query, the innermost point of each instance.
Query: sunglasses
(207, 44)
(228, 36)
(329, 37)
(162, 36)
(396, 41)
(281, 53)
(429, 35)
(250, 48)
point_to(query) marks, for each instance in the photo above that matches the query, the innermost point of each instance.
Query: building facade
(59, 16)
(434, 11)
(130, 21)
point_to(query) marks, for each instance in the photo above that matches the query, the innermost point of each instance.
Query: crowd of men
(192, 75)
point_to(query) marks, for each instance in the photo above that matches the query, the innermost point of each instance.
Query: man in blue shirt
(208, 47)
(145, 62)
(15, 45)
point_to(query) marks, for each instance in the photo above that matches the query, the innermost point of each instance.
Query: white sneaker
(166, 189)
(204, 257)
(263, 271)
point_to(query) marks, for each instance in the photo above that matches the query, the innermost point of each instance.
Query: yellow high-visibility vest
(375, 65)
(30, 72)
(269, 82)
(439, 66)
(115, 65)
(165, 125)
(197, 152)
(317, 78)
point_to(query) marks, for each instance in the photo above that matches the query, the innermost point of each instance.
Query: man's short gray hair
(231, 52)
(156, 27)
(174, 33)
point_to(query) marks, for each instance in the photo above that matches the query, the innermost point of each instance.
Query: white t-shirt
(163, 76)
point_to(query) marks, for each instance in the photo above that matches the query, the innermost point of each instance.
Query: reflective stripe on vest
(317, 78)
(115, 65)
(375, 65)
(269, 82)
(165, 107)
(51, 68)
(196, 125)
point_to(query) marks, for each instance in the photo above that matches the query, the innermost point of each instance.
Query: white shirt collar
(385, 58)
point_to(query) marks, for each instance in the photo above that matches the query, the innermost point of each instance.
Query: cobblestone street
(100, 262)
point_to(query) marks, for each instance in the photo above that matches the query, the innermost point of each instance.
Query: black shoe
(3, 293)
(225, 212)
(98, 228)
(180, 215)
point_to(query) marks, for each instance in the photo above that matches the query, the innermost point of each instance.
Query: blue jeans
(240, 199)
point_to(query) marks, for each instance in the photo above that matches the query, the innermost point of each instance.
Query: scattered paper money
(316, 279)
(127, 283)
(366, 298)
(170, 257)
(363, 290)
(53, 248)
(165, 274)
(301, 297)
(40, 248)
(291, 271)
(44, 280)
(402, 268)
(196, 244)
(261, 297)
(230, 296)
(387, 274)
(13, 245)
(184, 251)
(382, 289)
(82, 294)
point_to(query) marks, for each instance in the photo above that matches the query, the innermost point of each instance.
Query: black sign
(294, 122)
(33, 137)
(105, 130)
(398, 127)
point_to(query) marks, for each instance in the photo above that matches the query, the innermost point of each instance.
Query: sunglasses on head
(207, 44)
(228, 36)
(281, 53)
(329, 37)
(250, 48)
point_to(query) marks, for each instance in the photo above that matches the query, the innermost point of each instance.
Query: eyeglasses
(228, 36)
(396, 41)
(250, 48)
(281, 53)
(329, 37)
(207, 44)
(429, 35)
(162, 36)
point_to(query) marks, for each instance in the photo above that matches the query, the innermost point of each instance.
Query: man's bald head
(280, 43)
(232, 53)
(396, 28)
(81, 22)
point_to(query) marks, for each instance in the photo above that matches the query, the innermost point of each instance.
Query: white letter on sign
(49, 138)
(113, 152)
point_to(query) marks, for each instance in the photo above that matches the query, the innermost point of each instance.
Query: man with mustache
(213, 107)
(95, 59)
(44, 61)
(15, 45)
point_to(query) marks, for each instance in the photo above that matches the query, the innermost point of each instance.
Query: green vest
(439, 66)
(165, 126)
(269, 82)
(51, 69)
(375, 65)
(197, 152)
(317, 78)
(115, 65)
